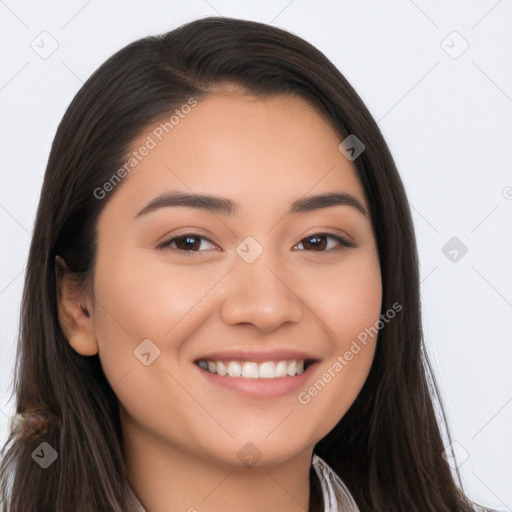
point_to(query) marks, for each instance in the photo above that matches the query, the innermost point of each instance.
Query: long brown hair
(387, 448)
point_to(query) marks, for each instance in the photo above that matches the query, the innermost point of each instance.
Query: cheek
(139, 299)
(142, 299)
(348, 302)
(347, 297)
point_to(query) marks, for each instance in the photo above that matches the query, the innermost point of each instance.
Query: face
(271, 283)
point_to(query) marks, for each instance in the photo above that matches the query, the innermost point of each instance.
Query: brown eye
(189, 242)
(318, 242)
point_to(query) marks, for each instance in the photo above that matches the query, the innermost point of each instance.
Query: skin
(182, 434)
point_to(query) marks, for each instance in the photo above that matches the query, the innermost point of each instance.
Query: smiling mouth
(255, 370)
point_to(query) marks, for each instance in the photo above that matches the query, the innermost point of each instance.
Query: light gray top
(337, 497)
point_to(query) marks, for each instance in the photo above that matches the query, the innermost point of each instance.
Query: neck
(167, 478)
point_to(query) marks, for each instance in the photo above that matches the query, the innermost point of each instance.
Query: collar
(336, 496)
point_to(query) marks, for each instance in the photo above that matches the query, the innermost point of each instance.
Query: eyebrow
(225, 206)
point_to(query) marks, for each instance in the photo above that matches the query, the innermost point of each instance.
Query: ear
(75, 307)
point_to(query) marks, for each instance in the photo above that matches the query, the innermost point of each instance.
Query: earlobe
(84, 344)
(75, 319)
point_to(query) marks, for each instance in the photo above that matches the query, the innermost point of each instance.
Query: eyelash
(166, 243)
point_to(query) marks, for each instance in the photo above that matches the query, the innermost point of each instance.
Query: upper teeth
(253, 370)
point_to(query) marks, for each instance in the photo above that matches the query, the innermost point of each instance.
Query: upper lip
(277, 354)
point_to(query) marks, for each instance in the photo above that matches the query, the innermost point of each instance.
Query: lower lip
(265, 388)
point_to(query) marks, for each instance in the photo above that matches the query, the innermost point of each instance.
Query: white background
(447, 120)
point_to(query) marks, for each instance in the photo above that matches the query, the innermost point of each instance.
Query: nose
(261, 294)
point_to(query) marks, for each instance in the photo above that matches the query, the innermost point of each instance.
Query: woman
(221, 306)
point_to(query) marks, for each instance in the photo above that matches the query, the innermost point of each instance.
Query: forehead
(240, 145)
